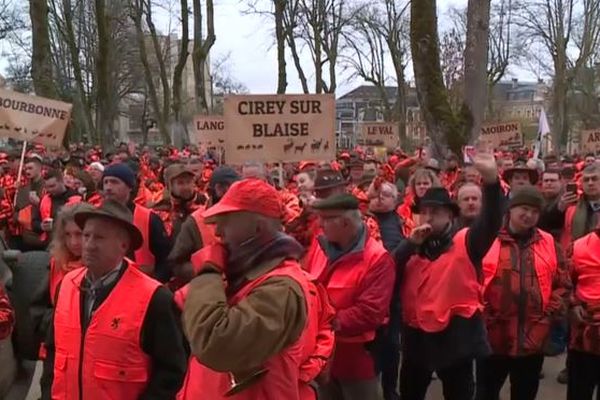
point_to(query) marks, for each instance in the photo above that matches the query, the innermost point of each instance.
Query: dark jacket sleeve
(485, 229)
(162, 340)
(36, 219)
(405, 250)
(48, 371)
(552, 219)
(188, 241)
(160, 246)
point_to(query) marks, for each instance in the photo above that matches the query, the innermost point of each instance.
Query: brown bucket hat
(176, 170)
(116, 213)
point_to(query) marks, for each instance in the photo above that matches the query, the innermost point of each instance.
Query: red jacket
(360, 286)
(107, 362)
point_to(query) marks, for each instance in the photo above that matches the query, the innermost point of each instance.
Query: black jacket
(57, 203)
(161, 337)
(464, 338)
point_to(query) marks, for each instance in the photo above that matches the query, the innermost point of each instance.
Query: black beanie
(121, 171)
(527, 196)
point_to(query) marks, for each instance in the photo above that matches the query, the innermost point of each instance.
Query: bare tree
(569, 31)
(11, 19)
(137, 11)
(476, 62)
(178, 125)
(280, 38)
(41, 61)
(376, 35)
(201, 50)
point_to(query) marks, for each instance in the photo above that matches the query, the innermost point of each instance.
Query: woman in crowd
(420, 181)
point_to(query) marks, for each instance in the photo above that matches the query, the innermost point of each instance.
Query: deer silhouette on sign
(326, 146)
(288, 146)
(316, 145)
(300, 149)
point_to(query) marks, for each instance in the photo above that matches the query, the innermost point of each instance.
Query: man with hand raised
(440, 269)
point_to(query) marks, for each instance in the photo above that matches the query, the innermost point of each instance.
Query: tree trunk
(162, 72)
(102, 75)
(280, 37)
(442, 126)
(137, 13)
(41, 58)
(178, 73)
(202, 50)
(81, 98)
(476, 61)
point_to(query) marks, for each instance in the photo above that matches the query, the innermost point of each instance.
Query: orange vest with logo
(342, 278)
(141, 219)
(545, 263)
(433, 292)
(109, 358)
(207, 232)
(586, 267)
(282, 381)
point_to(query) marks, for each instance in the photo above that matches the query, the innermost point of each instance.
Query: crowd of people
(172, 277)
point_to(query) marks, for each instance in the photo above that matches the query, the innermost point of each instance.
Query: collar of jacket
(334, 252)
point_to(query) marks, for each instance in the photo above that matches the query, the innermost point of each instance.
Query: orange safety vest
(435, 291)
(46, 209)
(545, 263)
(207, 232)
(57, 273)
(141, 219)
(108, 361)
(586, 267)
(342, 278)
(24, 218)
(566, 236)
(282, 381)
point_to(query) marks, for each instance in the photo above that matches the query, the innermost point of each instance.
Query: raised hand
(485, 162)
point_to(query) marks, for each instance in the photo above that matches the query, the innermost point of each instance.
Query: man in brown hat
(114, 333)
(180, 200)
(520, 175)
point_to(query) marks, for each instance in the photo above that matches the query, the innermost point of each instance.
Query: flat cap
(342, 201)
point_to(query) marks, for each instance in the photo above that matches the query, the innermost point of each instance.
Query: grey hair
(468, 185)
(592, 169)
(392, 187)
(255, 164)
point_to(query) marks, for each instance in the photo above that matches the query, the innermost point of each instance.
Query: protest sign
(209, 130)
(32, 118)
(272, 128)
(590, 141)
(502, 134)
(380, 134)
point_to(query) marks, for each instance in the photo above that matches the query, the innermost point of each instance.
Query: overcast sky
(249, 41)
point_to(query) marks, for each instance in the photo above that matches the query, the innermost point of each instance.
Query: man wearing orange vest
(358, 274)
(57, 195)
(179, 199)
(118, 183)
(584, 347)
(526, 288)
(114, 333)
(22, 236)
(246, 314)
(194, 233)
(581, 218)
(440, 293)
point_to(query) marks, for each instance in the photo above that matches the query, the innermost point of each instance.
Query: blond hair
(424, 173)
(58, 247)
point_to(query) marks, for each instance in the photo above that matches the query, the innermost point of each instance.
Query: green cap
(342, 201)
